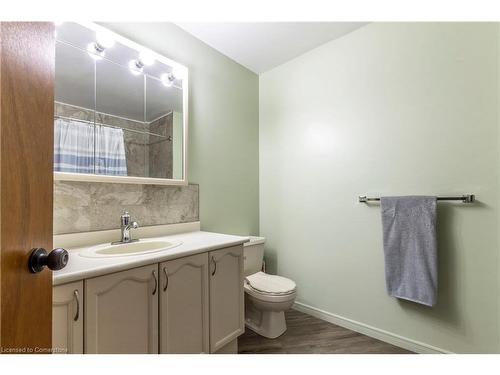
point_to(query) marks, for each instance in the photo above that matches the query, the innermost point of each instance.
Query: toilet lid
(271, 284)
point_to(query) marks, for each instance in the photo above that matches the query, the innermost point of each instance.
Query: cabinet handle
(156, 282)
(166, 279)
(215, 266)
(77, 298)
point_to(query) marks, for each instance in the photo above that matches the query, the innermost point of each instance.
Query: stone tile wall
(160, 147)
(90, 206)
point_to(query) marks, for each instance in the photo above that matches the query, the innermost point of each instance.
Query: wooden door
(184, 323)
(121, 312)
(226, 296)
(67, 318)
(26, 157)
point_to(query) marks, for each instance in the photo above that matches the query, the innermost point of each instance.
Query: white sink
(133, 248)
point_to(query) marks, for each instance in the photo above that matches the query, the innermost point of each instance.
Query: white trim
(365, 329)
(72, 240)
(88, 177)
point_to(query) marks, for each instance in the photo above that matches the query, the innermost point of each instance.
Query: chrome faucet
(125, 226)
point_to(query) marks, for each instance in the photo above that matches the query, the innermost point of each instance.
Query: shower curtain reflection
(110, 151)
(73, 147)
(80, 147)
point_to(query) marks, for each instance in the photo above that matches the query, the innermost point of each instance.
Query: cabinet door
(226, 296)
(67, 318)
(184, 305)
(121, 312)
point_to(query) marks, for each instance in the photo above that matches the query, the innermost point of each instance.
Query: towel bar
(468, 198)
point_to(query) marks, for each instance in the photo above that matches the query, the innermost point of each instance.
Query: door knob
(55, 260)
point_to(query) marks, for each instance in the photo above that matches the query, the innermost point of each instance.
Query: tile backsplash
(90, 206)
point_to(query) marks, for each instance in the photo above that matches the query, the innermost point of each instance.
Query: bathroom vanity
(186, 299)
(121, 117)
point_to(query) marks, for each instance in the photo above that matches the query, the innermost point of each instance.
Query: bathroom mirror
(120, 110)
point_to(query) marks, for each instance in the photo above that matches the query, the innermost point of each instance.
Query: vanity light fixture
(167, 79)
(178, 73)
(146, 57)
(136, 67)
(104, 39)
(95, 50)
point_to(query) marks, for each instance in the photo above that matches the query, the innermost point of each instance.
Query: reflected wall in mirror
(120, 110)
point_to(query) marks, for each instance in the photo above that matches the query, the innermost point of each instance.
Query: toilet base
(266, 318)
(271, 324)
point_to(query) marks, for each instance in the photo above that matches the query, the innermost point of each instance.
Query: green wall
(223, 126)
(389, 109)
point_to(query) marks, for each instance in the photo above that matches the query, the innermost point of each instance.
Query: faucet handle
(125, 218)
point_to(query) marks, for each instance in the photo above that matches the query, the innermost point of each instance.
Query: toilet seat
(272, 298)
(271, 285)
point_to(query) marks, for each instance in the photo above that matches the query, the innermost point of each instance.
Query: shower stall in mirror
(120, 110)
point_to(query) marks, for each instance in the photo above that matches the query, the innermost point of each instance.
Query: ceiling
(261, 46)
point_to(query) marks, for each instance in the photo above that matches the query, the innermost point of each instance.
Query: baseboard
(379, 334)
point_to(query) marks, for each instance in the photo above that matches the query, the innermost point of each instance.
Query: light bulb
(135, 67)
(94, 51)
(167, 79)
(146, 57)
(178, 72)
(105, 39)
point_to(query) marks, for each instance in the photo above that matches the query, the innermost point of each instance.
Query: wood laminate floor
(309, 335)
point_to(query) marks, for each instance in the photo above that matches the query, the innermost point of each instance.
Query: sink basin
(133, 248)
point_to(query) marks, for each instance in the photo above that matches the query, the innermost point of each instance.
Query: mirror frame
(87, 177)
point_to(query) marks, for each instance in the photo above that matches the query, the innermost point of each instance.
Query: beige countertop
(193, 242)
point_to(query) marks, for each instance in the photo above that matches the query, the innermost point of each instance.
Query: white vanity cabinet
(184, 305)
(226, 296)
(67, 318)
(191, 304)
(121, 312)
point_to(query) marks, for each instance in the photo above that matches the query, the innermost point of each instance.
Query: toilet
(267, 297)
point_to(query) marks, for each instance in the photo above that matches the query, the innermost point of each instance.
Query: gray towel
(410, 248)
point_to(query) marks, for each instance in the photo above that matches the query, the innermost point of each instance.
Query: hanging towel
(110, 151)
(73, 146)
(410, 247)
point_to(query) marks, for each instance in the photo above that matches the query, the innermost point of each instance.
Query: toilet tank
(253, 255)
